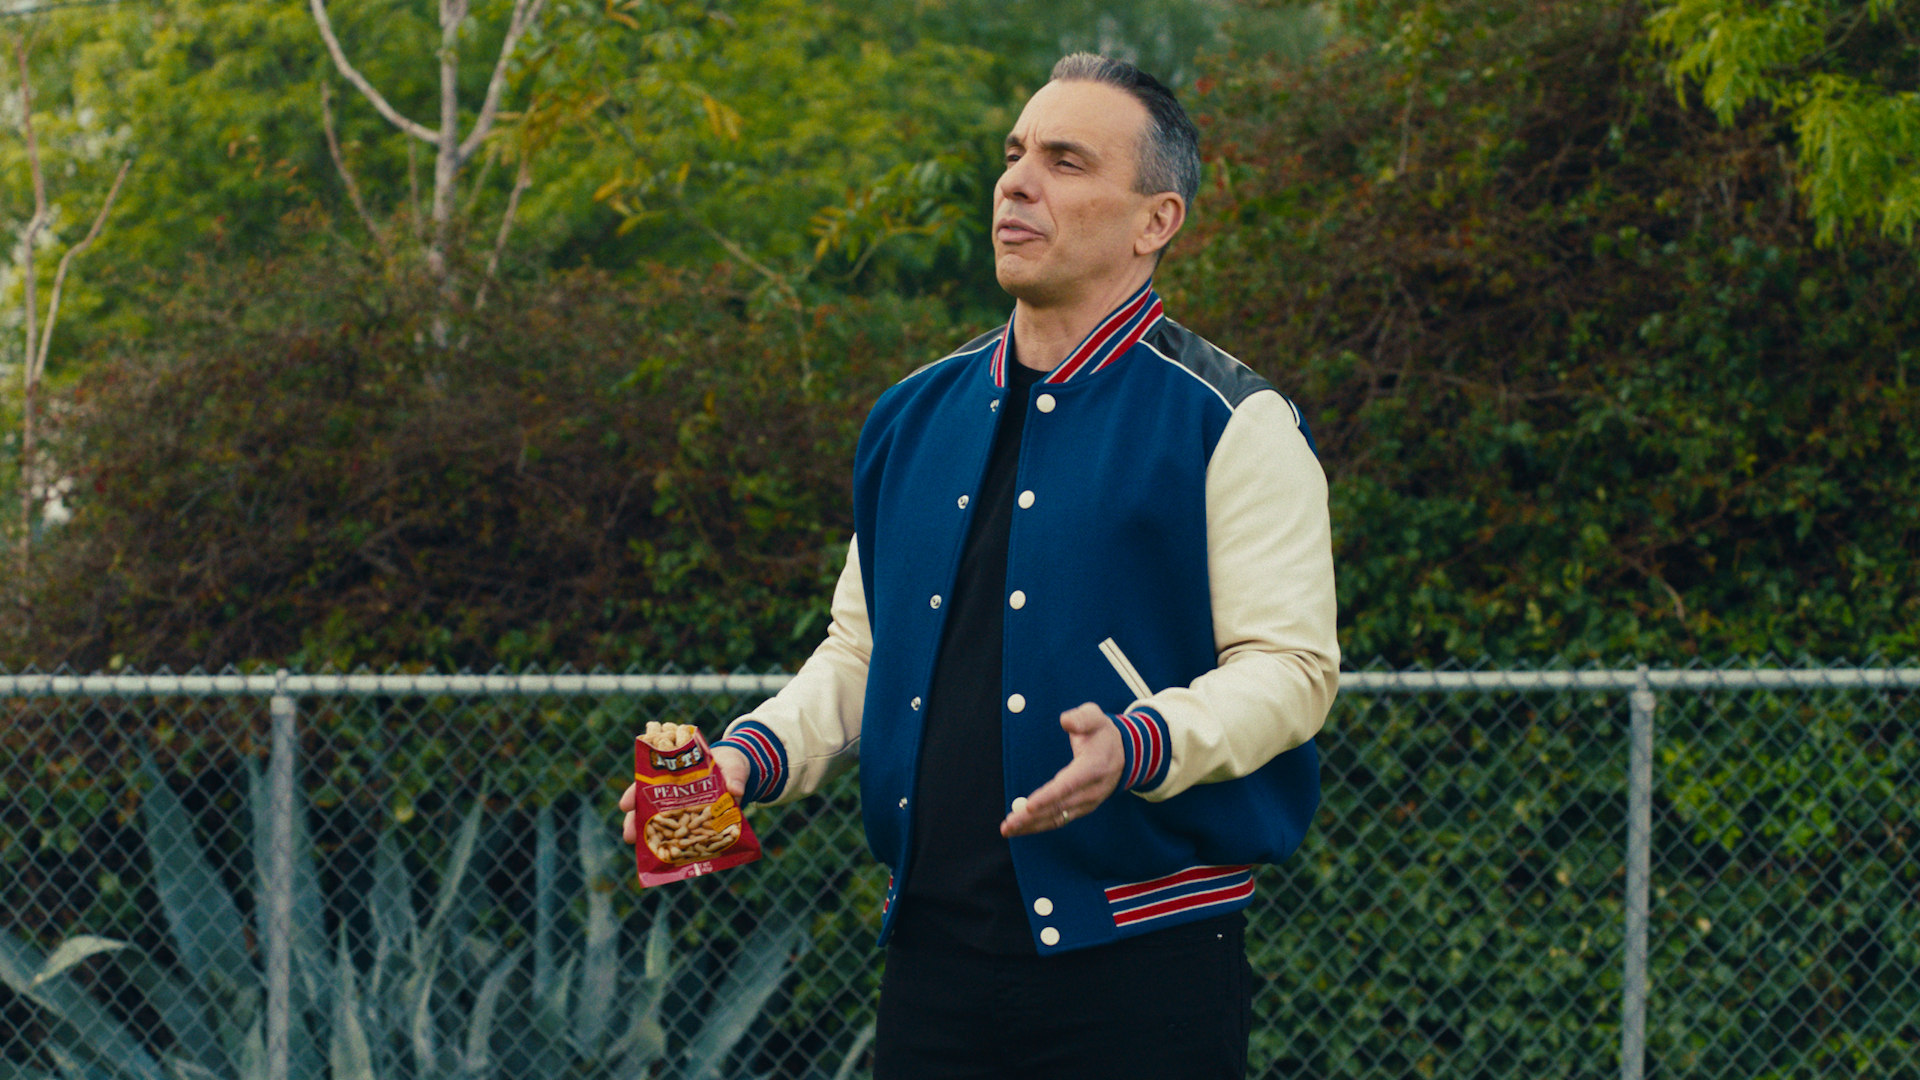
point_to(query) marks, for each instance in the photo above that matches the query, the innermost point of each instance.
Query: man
(1082, 643)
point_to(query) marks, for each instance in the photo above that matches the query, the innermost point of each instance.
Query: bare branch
(524, 14)
(30, 390)
(39, 219)
(446, 159)
(479, 185)
(779, 283)
(452, 14)
(521, 182)
(751, 263)
(74, 252)
(413, 193)
(360, 82)
(340, 162)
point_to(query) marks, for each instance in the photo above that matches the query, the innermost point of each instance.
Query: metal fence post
(1633, 1010)
(279, 878)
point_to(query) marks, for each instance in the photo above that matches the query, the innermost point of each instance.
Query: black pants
(1169, 1005)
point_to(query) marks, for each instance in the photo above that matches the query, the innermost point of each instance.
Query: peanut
(676, 835)
(668, 736)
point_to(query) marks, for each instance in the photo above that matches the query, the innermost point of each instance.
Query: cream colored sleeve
(1270, 565)
(816, 716)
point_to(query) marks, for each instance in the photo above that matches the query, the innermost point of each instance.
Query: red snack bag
(687, 821)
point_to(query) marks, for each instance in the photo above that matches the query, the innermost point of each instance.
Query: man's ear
(1166, 212)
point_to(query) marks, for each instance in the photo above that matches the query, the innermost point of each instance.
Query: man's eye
(1011, 158)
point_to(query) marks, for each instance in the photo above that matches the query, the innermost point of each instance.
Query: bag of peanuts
(687, 821)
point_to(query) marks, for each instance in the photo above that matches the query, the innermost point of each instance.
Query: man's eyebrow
(1056, 146)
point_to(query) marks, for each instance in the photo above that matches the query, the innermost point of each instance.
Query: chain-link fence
(1529, 873)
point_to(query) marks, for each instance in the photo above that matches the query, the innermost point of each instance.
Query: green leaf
(546, 855)
(600, 963)
(756, 972)
(349, 1053)
(860, 1041)
(209, 937)
(72, 951)
(84, 1025)
(12, 1070)
(181, 1009)
(390, 907)
(452, 875)
(480, 1024)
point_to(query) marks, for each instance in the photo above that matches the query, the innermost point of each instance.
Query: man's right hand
(733, 769)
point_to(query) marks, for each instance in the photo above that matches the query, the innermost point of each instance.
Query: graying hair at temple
(1170, 154)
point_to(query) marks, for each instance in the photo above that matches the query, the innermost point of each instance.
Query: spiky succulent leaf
(451, 877)
(478, 1057)
(390, 907)
(860, 1041)
(13, 1070)
(420, 1031)
(72, 951)
(208, 935)
(85, 1032)
(181, 1009)
(756, 972)
(659, 947)
(550, 1012)
(546, 860)
(349, 1052)
(600, 962)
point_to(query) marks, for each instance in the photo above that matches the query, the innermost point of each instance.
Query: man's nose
(1017, 182)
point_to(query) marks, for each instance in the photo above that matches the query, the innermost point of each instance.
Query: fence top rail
(1411, 682)
(1352, 682)
(426, 685)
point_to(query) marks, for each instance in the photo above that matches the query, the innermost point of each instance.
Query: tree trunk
(32, 371)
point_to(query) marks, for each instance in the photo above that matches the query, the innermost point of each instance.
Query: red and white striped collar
(1123, 327)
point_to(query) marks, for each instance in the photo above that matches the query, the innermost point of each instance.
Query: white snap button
(903, 804)
(1043, 907)
(963, 502)
(994, 405)
(916, 704)
(1026, 499)
(1018, 600)
(1019, 803)
(1044, 402)
(935, 602)
(1016, 703)
(1049, 936)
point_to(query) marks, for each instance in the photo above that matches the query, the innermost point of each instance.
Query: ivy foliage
(1584, 381)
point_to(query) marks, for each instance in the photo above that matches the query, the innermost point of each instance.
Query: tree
(452, 151)
(36, 345)
(1842, 74)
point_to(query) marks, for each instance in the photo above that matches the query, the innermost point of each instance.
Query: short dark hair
(1170, 154)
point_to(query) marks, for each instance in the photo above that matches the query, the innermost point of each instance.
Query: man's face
(1065, 215)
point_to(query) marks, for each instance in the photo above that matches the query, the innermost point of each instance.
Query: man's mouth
(1009, 231)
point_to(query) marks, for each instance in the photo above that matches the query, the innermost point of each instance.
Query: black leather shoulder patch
(1231, 379)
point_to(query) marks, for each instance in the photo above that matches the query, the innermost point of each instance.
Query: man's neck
(1044, 335)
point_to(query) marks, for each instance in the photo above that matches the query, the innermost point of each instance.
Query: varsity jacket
(1169, 559)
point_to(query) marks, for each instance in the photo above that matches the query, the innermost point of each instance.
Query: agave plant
(595, 1011)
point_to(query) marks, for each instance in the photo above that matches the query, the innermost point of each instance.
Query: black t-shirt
(961, 886)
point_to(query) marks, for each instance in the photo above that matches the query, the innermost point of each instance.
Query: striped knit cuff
(1143, 737)
(766, 760)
